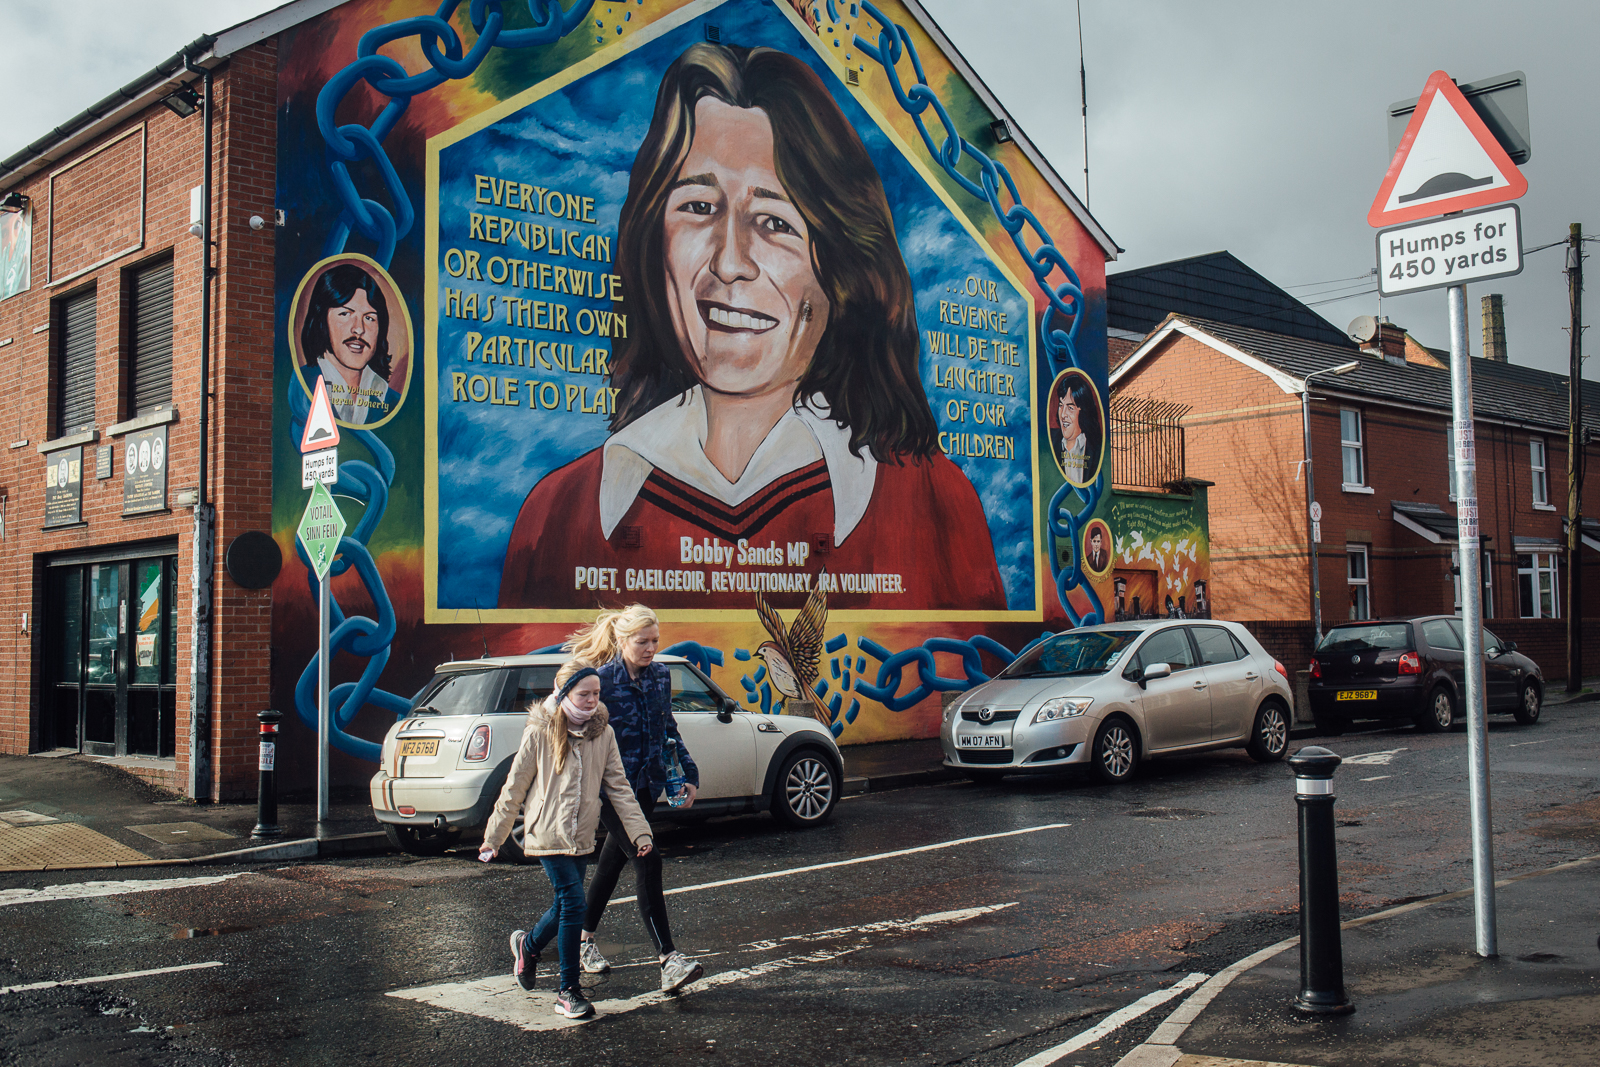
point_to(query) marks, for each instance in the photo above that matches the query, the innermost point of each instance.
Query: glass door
(106, 626)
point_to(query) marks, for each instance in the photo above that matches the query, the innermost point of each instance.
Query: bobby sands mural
(768, 391)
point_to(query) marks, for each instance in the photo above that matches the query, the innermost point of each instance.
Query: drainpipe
(201, 577)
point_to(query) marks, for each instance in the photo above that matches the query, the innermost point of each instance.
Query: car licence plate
(1358, 694)
(420, 746)
(980, 741)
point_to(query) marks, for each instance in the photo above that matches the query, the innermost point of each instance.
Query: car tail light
(1410, 663)
(1281, 669)
(478, 744)
(1316, 669)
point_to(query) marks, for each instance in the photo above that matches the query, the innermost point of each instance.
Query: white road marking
(1111, 1022)
(500, 998)
(1374, 759)
(109, 977)
(85, 890)
(846, 863)
(1517, 744)
(1377, 778)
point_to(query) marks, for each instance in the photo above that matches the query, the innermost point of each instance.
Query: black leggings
(614, 855)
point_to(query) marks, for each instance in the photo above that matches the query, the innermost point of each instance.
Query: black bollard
(1321, 955)
(267, 791)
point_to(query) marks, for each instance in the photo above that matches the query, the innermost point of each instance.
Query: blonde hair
(601, 641)
(557, 732)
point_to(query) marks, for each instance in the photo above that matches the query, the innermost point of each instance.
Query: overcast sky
(1256, 127)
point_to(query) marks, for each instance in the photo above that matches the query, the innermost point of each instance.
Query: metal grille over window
(1146, 442)
(150, 362)
(75, 364)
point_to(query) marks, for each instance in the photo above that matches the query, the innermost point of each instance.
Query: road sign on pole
(320, 530)
(1448, 161)
(1454, 250)
(322, 466)
(321, 429)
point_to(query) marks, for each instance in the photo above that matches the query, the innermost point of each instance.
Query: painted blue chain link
(347, 144)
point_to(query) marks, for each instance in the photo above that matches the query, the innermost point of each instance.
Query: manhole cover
(180, 833)
(60, 844)
(1170, 814)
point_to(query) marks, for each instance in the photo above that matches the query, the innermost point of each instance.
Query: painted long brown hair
(865, 367)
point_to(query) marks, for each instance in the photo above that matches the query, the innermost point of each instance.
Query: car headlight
(1062, 708)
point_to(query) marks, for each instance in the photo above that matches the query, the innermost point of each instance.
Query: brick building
(1382, 469)
(104, 325)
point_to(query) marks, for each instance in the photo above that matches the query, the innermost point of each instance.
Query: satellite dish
(1363, 328)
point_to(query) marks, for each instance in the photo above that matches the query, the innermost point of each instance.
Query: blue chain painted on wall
(347, 144)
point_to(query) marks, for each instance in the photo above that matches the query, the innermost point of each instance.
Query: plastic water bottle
(677, 793)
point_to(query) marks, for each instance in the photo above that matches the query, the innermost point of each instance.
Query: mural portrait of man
(347, 337)
(770, 390)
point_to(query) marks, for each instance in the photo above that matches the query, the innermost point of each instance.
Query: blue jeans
(564, 919)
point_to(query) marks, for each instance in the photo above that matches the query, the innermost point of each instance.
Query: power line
(1331, 281)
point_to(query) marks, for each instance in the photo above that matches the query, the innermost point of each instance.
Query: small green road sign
(320, 530)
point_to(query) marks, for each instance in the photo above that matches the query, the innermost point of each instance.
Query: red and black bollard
(1321, 953)
(267, 791)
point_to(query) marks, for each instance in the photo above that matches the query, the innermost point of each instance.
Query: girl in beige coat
(568, 752)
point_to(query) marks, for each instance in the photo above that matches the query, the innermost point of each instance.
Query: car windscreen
(1091, 652)
(1367, 637)
(462, 693)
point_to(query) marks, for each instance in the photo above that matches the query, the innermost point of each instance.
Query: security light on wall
(1001, 131)
(13, 202)
(183, 103)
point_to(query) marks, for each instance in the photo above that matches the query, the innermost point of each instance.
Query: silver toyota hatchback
(1113, 695)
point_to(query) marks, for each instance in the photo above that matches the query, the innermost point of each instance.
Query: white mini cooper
(445, 761)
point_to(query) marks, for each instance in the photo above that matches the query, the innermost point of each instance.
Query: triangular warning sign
(1448, 161)
(321, 431)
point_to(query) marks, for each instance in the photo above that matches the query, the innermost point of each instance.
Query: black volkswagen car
(1415, 669)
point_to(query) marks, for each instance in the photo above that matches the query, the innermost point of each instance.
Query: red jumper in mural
(770, 393)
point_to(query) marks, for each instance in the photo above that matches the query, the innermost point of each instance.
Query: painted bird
(792, 657)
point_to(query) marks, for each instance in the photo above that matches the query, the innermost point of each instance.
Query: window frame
(1356, 444)
(135, 345)
(1363, 583)
(1530, 599)
(1539, 473)
(1486, 574)
(59, 356)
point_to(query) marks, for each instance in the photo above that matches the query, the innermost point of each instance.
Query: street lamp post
(1311, 492)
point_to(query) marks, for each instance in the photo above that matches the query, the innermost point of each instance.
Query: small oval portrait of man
(1077, 434)
(350, 328)
(1096, 548)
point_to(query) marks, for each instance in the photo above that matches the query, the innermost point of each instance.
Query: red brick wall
(244, 139)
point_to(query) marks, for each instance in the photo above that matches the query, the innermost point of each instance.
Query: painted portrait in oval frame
(349, 326)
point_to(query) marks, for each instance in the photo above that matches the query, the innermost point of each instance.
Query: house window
(1487, 575)
(1356, 577)
(1541, 478)
(1355, 467)
(1536, 584)
(150, 338)
(74, 363)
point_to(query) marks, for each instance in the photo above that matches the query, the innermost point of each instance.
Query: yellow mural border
(432, 613)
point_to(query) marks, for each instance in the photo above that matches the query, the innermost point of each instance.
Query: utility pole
(1575, 447)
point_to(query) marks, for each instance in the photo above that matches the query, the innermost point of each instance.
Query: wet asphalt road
(983, 952)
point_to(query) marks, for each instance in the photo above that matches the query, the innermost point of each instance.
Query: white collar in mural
(672, 436)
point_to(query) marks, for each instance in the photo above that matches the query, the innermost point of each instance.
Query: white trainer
(678, 970)
(590, 959)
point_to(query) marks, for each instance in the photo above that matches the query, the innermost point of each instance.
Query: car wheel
(1116, 751)
(511, 851)
(1330, 725)
(983, 777)
(1439, 713)
(1532, 701)
(806, 790)
(420, 840)
(1270, 738)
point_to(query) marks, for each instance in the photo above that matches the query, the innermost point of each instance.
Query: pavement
(1422, 995)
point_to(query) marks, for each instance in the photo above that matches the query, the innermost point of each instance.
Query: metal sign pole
(1471, 557)
(322, 701)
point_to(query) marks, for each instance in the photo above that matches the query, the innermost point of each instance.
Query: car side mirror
(1509, 646)
(1153, 671)
(725, 712)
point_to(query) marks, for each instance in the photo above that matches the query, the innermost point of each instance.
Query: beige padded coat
(561, 810)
